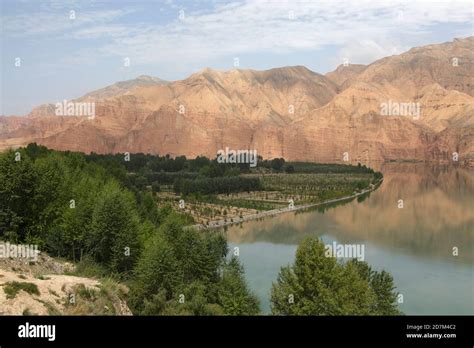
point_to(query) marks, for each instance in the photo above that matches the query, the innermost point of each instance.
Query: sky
(55, 50)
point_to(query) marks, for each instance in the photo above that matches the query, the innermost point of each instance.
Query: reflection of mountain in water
(437, 215)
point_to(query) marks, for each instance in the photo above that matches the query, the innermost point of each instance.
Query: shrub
(13, 288)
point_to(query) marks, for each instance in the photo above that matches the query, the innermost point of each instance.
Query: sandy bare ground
(54, 291)
(55, 288)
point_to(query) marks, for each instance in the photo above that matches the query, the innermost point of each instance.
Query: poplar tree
(320, 285)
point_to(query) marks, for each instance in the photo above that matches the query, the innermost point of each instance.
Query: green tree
(383, 286)
(233, 294)
(157, 272)
(67, 237)
(320, 285)
(51, 196)
(200, 254)
(277, 163)
(289, 169)
(17, 183)
(115, 225)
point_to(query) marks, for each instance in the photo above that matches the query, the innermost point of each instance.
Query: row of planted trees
(226, 185)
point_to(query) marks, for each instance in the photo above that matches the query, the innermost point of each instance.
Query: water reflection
(437, 215)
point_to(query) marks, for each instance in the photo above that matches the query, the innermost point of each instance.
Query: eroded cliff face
(288, 112)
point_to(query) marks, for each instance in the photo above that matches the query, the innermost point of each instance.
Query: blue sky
(65, 55)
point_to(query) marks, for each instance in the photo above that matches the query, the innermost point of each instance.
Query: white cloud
(222, 29)
(99, 31)
(53, 21)
(262, 26)
(367, 51)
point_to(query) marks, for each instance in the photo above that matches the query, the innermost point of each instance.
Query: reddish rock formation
(288, 112)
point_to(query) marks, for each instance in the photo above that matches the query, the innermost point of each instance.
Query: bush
(155, 186)
(13, 288)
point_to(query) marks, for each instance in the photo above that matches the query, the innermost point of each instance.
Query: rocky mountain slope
(288, 112)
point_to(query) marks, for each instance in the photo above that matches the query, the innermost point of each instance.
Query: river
(416, 243)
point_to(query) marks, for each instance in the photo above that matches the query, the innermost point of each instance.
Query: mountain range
(289, 112)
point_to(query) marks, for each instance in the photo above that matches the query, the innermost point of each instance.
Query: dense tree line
(217, 185)
(143, 163)
(158, 170)
(79, 210)
(327, 168)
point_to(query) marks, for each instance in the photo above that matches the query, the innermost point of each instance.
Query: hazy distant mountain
(345, 74)
(123, 87)
(288, 112)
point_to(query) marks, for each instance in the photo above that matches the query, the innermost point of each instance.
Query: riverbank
(233, 221)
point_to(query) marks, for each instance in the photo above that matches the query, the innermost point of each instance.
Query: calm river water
(414, 243)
